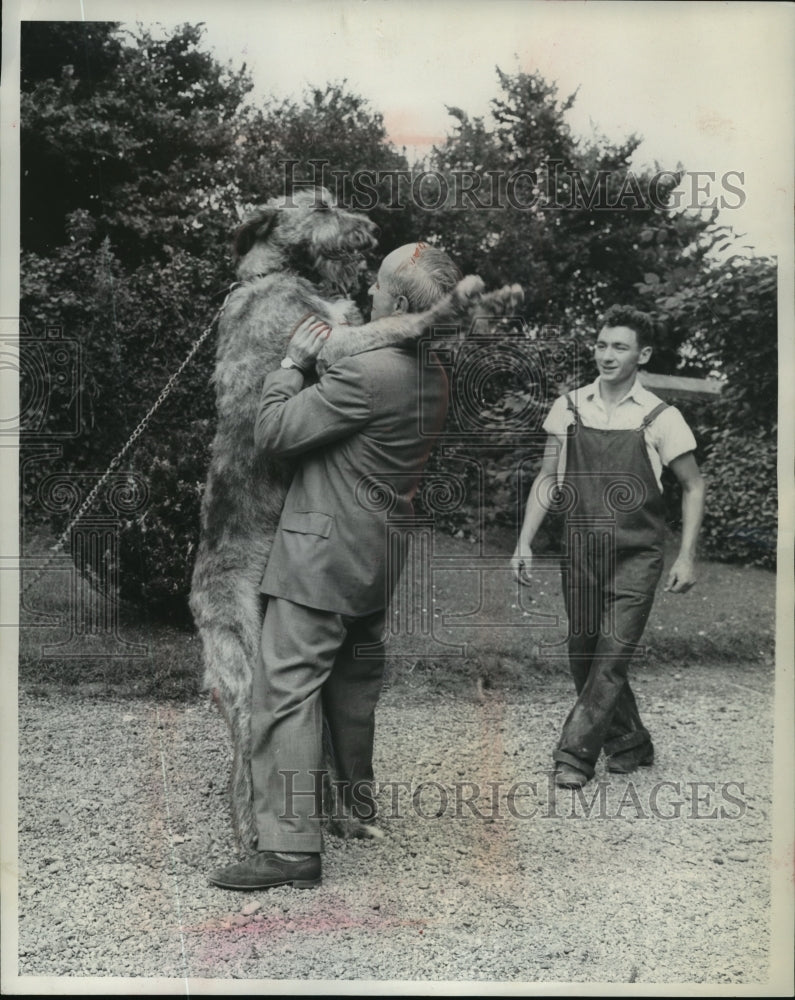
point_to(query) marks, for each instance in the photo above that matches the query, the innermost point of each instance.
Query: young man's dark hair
(634, 319)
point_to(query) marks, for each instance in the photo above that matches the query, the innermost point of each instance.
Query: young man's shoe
(567, 776)
(631, 760)
(267, 869)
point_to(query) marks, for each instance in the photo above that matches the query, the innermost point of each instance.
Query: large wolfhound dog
(294, 256)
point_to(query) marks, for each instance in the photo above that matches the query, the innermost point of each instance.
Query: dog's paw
(467, 290)
(505, 301)
(458, 303)
(349, 828)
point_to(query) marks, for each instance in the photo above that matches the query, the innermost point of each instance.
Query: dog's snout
(365, 237)
(369, 237)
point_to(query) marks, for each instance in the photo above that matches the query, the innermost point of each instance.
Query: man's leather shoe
(567, 776)
(266, 869)
(631, 760)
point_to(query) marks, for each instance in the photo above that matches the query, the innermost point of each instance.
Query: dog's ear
(258, 227)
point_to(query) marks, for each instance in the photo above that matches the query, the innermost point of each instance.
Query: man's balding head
(411, 279)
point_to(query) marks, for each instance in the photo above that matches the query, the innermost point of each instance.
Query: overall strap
(651, 417)
(573, 408)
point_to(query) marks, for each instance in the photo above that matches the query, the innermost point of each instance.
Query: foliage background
(140, 154)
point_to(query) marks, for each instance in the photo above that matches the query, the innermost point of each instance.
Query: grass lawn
(477, 629)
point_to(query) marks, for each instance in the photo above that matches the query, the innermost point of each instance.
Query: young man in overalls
(607, 444)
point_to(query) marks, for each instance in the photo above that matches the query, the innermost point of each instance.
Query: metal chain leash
(116, 460)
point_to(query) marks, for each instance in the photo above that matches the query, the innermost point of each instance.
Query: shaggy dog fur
(295, 256)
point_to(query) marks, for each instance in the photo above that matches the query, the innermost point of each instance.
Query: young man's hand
(521, 561)
(682, 576)
(307, 340)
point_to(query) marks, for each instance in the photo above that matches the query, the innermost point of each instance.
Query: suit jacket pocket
(308, 522)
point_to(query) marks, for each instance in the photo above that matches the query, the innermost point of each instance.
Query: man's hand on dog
(307, 340)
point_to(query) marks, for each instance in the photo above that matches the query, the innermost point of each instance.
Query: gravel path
(123, 811)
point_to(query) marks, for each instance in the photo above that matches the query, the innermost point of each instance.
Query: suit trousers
(306, 668)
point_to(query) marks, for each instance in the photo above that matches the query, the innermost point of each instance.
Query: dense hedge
(742, 499)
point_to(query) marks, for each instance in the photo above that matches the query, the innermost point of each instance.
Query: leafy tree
(573, 224)
(137, 134)
(138, 154)
(725, 311)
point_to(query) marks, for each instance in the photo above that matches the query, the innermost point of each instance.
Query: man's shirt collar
(637, 394)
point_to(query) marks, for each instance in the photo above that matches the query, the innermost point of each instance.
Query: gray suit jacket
(362, 435)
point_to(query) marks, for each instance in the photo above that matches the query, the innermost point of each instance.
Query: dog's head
(309, 233)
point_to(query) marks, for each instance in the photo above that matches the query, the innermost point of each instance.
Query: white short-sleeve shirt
(667, 437)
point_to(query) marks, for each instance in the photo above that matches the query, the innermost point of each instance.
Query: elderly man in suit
(372, 417)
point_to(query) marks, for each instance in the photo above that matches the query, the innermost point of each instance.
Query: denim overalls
(611, 567)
